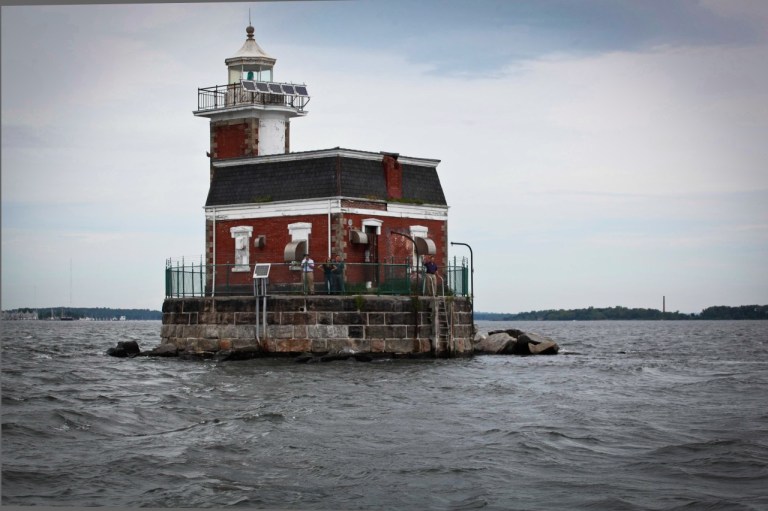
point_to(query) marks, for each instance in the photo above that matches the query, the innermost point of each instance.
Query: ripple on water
(640, 416)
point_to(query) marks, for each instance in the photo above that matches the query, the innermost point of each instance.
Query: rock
(124, 349)
(164, 350)
(131, 349)
(304, 358)
(514, 332)
(514, 342)
(496, 343)
(537, 344)
(346, 354)
(333, 357)
(544, 348)
(239, 354)
(519, 347)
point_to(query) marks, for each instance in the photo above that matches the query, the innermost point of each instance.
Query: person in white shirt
(307, 274)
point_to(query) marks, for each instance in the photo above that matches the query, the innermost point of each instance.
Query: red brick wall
(228, 141)
(277, 237)
(393, 173)
(391, 247)
(234, 139)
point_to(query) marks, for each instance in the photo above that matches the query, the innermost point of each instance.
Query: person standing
(338, 276)
(307, 274)
(328, 267)
(430, 275)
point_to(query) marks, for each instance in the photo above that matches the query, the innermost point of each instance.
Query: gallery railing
(220, 97)
(191, 279)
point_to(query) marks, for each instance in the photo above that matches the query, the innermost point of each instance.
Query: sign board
(261, 270)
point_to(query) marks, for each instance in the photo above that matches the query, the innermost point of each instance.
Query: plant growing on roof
(403, 200)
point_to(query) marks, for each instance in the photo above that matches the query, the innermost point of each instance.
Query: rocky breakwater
(513, 342)
(130, 349)
(495, 342)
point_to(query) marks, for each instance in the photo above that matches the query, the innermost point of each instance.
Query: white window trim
(300, 231)
(373, 222)
(242, 236)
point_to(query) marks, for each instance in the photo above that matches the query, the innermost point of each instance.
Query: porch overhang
(424, 246)
(358, 237)
(294, 251)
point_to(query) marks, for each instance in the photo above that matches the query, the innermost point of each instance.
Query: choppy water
(630, 416)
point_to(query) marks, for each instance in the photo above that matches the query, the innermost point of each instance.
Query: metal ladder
(442, 324)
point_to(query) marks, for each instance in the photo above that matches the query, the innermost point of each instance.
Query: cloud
(595, 159)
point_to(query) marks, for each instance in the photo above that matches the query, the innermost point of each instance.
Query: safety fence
(184, 278)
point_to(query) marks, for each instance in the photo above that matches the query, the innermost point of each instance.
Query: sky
(593, 154)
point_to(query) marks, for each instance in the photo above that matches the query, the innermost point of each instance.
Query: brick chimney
(393, 174)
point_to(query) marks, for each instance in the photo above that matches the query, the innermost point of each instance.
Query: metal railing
(233, 95)
(185, 278)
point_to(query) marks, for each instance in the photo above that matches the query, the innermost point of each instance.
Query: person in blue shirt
(430, 275)
(337, 274)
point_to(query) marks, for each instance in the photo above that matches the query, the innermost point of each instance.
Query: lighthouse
(250, 115)
(267, 204)
(366, 218)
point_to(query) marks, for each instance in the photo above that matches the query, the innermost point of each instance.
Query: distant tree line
(742, 312)
(619, 313)
(98, 313)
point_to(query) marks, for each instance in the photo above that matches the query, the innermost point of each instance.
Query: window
(242, 237)
(374, 223)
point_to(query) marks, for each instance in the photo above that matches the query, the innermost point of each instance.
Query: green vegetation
(403, 200)
(622, 313)
(742, 312)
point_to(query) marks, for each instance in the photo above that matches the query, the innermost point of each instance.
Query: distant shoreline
(82, 313)
(718, 312)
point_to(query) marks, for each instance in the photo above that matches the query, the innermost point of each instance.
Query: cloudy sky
(594, 153)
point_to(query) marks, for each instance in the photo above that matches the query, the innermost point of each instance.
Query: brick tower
(250, 115)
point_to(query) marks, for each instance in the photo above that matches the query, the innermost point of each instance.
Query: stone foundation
(387, 326)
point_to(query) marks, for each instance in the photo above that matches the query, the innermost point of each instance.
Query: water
(630, 416)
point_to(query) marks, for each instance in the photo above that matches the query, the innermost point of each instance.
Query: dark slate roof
(319, 175)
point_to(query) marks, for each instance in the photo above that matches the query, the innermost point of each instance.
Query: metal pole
(264, 305)
(472, 274)
(329, 228)
(257, 312)
(213, 260)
